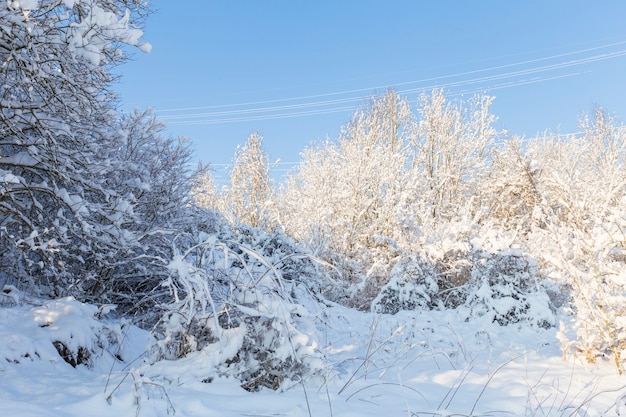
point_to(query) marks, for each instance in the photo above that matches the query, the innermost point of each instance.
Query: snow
(421, 363)
(8, 178)
(91, 44)
(26, 4)
(23, 159)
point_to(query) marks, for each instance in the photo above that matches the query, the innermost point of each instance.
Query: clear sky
(295, 71)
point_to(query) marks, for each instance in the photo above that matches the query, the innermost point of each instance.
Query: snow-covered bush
(228, 295)
(133, 283)
(274, 347)
(413, 285)
(480, 276)
(581, 240)
(454, 267)
(294, 262)
(592, 263)
(448, 248)
(505, 288)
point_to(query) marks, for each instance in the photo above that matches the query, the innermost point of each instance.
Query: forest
(417, 206)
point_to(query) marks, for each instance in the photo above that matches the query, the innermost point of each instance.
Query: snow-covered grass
(420, 363)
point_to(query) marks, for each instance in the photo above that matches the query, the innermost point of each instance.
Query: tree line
(418, 200)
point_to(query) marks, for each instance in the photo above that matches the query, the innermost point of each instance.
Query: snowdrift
(419, 363)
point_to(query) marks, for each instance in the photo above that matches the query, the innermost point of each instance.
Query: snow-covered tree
(56, 112)
(451, 149)
(248, 196)
(150, 168)
(344, 200)
(510, 195)
(582, 239)
(205, 191)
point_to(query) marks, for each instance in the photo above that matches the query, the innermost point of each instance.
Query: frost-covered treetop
(94, 26)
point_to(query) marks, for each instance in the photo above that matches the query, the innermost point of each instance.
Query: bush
(133, 284)
(413, 285)
(591, 261)
(229, 295)
(505, 288)
(258, 245)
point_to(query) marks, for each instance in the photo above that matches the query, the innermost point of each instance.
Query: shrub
(505, 288)
(591, 262)
(228, 294)
(413, 285)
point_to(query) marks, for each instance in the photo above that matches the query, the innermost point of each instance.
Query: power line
(360, 90)
(229, 113)
(261, 117)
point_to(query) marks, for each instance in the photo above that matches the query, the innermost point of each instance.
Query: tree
(204, 190)
(450, 151)
(248, 196)
(345, 199)
(582, 238)
(150, 169)
(56, 111)
(511, 193)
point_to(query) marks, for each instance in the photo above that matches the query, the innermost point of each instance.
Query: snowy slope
(428, 363)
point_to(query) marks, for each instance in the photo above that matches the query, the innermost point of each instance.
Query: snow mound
(59, 330)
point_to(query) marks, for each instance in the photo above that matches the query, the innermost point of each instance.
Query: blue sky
(295, 71)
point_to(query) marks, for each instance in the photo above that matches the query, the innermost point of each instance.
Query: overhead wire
(529, 71)
(360, 90)
(229, 113)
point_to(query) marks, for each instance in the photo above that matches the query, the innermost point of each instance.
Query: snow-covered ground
(430, 363)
